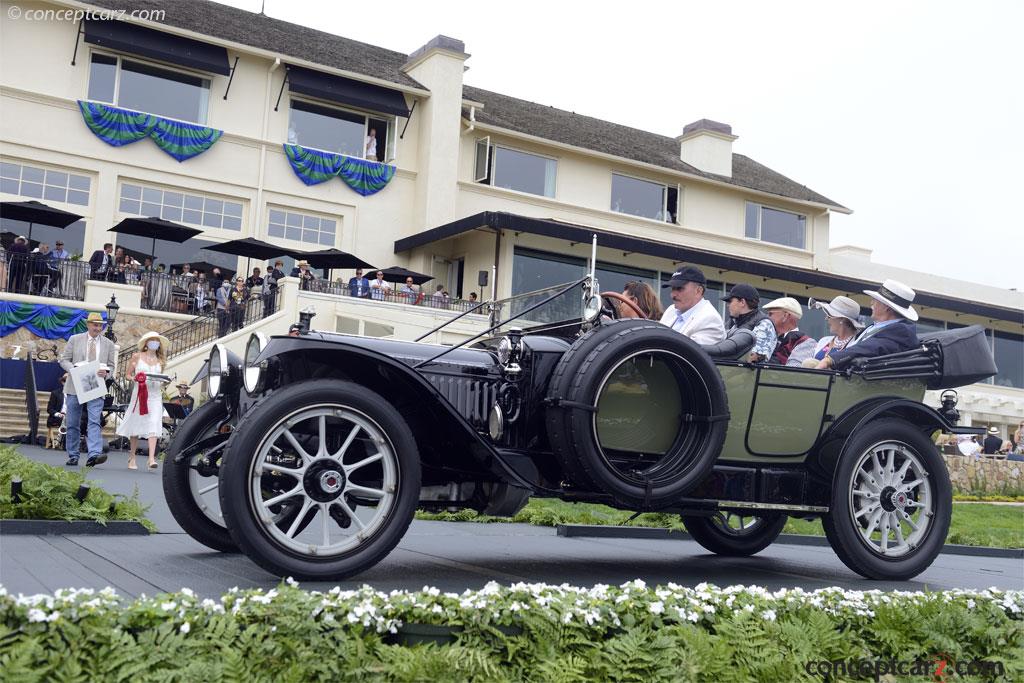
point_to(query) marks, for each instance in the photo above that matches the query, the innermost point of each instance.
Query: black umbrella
(156, 229)
(330, 259)
(37, 212)
(399, 274)
(250, 248)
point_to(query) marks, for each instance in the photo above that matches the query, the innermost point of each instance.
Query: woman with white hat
(841, 314)
(144, 414)
(893, 331)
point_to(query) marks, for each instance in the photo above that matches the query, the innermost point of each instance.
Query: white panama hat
(896, 296)
(840, 307)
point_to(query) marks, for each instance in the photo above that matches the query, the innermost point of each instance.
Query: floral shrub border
(524, 627)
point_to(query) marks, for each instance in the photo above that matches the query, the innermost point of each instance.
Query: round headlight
(252, 374)
(496, 422)
(504, 350)
(218, 369)
(593, 308)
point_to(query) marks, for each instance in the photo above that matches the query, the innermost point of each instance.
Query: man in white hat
(793, 347)
(894, 329)
(992, 443)
(85, 348)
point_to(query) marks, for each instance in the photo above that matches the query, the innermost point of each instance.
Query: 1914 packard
(313, 453)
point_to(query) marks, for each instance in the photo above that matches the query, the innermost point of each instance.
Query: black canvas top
(166, 47)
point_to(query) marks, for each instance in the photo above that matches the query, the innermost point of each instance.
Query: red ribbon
(143, 394)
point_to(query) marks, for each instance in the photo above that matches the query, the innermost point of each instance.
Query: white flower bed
(601, 607)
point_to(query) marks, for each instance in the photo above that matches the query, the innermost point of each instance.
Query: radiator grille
(471, 397)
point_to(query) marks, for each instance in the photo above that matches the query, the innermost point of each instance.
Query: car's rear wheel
(891, 502)
(321, 480)
(191, 483)
(735, 534)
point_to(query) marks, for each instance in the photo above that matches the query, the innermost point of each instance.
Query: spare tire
(638, 411)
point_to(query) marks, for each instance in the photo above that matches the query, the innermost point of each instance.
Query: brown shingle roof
(622, 141)
(274, 35)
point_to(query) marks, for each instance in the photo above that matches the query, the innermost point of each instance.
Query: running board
(780, 507)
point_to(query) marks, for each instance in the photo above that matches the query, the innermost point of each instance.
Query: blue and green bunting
(117, 127)
(48, 322)
(313, 167)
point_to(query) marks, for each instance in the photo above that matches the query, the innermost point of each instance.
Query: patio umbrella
(250, 248)
(330, 259)
(156, 229)
(399, 274)
(36, 212)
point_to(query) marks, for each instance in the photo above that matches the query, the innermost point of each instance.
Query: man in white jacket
(691, 314)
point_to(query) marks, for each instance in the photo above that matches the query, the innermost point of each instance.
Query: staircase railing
(194, 333)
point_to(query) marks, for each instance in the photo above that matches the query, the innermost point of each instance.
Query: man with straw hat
(894, 329)
(84, 348)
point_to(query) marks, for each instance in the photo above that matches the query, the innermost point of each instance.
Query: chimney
(438, 65)
(707, 146)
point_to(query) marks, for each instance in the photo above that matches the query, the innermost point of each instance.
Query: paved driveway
(450, 556)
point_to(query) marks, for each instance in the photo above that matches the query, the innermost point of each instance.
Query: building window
(46, 184)
(644, 198)
(775, 225)
(180, 207)
(302, 227)
(151, 89)
(1009, 354)
(514, 170)
(339, 131)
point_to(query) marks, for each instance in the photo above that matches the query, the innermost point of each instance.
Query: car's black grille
(472, 397)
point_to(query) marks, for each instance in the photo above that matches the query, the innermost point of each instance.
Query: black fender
(394, 380)
(832, 445)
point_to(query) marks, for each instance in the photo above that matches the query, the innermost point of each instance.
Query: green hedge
(48, 492)
(524, 632)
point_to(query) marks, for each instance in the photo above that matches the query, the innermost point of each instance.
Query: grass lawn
(999, 526)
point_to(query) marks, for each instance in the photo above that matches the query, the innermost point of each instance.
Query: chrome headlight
(504, 350)
(252, 372)
(496, 422)
(219, 369)
(592, 309)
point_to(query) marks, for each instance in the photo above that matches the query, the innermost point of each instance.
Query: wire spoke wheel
(324, 480)
(735, 524)
(891, 499)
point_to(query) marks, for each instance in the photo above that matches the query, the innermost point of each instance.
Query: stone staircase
(14, 415)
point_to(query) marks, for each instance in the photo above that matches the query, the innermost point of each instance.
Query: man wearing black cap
(691, 314)
(744, 314)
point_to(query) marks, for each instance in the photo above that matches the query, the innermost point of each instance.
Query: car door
(786, 411)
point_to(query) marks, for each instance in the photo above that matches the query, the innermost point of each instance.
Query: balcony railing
(194, 333)
(417, 298)
(43, 276)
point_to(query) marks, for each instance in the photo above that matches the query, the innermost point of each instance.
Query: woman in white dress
(151, 358)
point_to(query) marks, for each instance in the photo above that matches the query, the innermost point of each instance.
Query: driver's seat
(734, 347)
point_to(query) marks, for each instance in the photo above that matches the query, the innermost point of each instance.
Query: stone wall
(985, 475)
(128, 329)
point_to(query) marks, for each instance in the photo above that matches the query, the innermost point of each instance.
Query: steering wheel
(623, 300)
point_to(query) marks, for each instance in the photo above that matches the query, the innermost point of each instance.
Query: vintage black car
(313, 453)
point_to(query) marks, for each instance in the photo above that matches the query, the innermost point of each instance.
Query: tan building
(313, 141)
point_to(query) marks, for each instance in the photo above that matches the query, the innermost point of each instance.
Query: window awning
(166, 47)
(346, 91)
(499, 220)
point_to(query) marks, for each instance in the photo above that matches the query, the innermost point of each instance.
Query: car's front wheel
(335, 462)
(891, 502)
(190, 482)
(735, 534)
